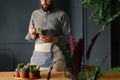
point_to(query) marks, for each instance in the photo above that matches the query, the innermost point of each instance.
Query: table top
(44, 74)
(111, 76)
(57, 76)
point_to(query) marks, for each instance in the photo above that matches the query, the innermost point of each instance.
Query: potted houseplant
(24, 72)
(34, 71)
(17, 69)
(37, 71)
(16, 73)
(41, 31)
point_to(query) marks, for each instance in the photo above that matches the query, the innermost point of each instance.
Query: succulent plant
(41, 31)
(33, 68)
(19, 66)
(24, 69)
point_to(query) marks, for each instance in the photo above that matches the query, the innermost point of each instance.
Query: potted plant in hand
(41, 32)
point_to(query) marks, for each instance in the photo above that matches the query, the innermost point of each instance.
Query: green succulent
(33, 68)
(104, 11)
(19, 66)
(41, 31)
(24, 69)
(17, 69)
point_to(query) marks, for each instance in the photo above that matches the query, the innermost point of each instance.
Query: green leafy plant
(95, 73)
(105, 11)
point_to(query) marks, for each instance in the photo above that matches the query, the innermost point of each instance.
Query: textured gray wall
(101, 51)
(14, 19)
(76, 15)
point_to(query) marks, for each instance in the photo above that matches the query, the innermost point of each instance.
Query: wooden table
(44, 74)
(111, 76)
(57, 76)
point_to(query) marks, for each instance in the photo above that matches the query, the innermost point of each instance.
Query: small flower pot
(16, 74)
(32, 75)
(23, 74)
(37, 73)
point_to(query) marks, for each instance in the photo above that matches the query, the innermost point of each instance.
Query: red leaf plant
(77, 51)
(77, 57)
(73, 56)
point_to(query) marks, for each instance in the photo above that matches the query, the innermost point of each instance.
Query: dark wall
(14, 20)
(76, 15)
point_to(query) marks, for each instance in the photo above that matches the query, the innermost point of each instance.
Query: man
(55, 24)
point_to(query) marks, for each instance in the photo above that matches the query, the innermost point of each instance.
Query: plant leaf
(77, 55)
(72, 43)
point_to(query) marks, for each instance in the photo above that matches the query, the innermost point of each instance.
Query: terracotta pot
(38, 74)
(23, 74)
(32, 75)
(16, 74)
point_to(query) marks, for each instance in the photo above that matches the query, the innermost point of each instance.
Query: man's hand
(32, 30)
(48, 38)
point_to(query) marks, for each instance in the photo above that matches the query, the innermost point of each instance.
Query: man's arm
(31, 35)
(64, 37)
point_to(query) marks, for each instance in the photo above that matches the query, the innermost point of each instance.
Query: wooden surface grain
(44, 74)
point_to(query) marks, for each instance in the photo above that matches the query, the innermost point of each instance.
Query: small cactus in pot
(17, 69)
(34, 72)
(24, 72)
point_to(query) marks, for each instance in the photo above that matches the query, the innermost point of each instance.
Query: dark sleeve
(64, 37)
